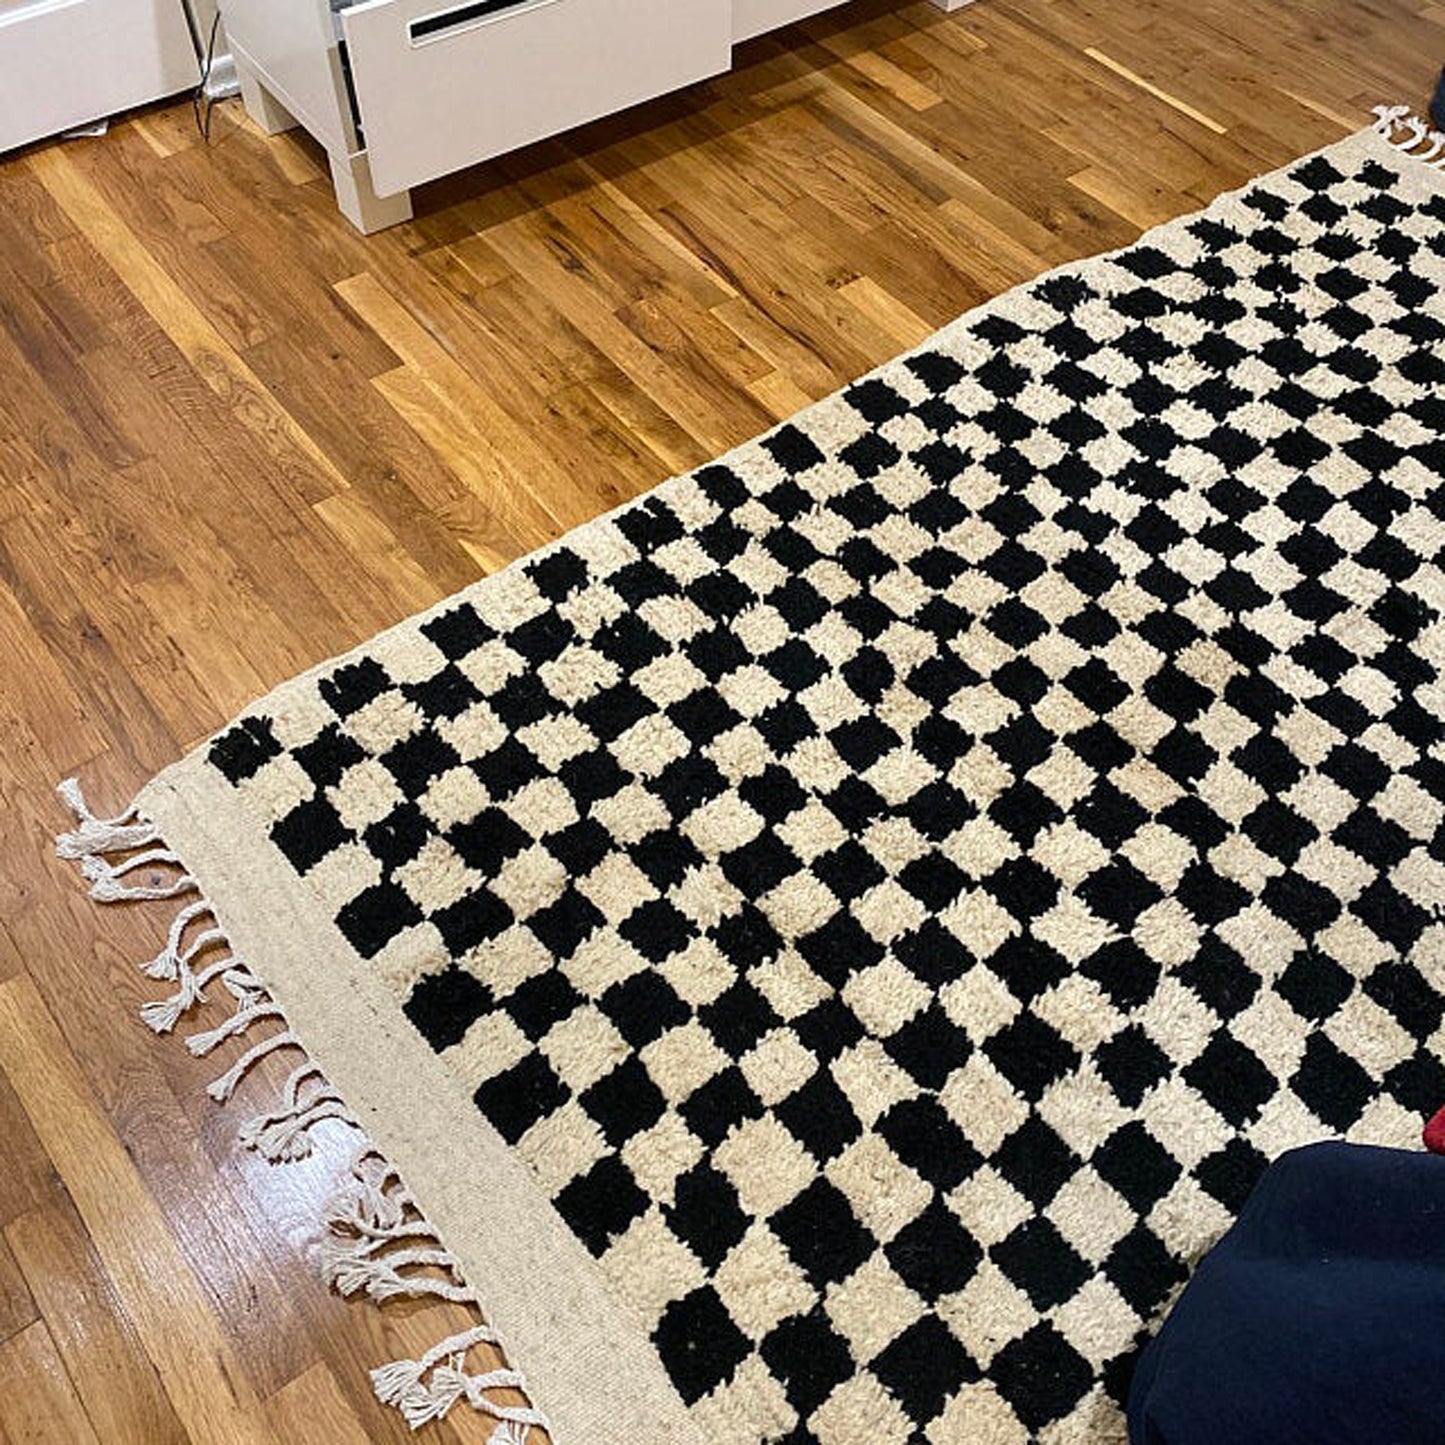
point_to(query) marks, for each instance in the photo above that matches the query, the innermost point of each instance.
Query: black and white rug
(895, 888)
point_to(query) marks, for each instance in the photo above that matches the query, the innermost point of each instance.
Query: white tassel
(106, 885)
(93, 838)
(448, 1385)
(360, 1235)
(509, 1432)
(366, 1207)
(287, 1137)
(347, 1265)
(100, 835)
(456, 1346)
(391, 1382)
(221, 1089)
(425, 1403)
(354, 1266)
(375, 1214)
(104, 837)
(202, 1043)
(70, 791)
(1389, 117)
(401, 1384)
(163, 1015)
(243, 985)
(1393, 118)
(166, 964)
(208, 938)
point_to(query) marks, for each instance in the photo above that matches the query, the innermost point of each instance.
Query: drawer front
(443, 85)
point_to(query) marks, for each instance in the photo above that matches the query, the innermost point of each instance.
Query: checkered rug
(894, 888)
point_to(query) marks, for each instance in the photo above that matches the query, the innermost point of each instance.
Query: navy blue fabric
(1319, 1319)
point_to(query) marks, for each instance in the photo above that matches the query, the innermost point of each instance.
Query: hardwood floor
(236, 438)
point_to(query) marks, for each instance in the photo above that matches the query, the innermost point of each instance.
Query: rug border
(586, 1355)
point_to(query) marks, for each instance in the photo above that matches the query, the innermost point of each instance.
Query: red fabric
(1435, 1133)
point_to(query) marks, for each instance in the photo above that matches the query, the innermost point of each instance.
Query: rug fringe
(107, 879)
(167, 963)
(1408, 133)
(286, 1136)
(403, 1384)
(96, 835)
(376, 1240)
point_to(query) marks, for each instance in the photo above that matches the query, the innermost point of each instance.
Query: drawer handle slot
(458, 17)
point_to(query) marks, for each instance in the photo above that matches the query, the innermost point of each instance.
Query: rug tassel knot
(402, 1384)
(107, 880)
(286, 1136)
(202, 1043)
(1392, 119)
(100, 835)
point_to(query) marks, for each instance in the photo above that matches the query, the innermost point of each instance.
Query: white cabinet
(441, 87)
(64, 63)
(403, 91)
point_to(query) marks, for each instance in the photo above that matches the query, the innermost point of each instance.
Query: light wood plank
(17, 1308)
(38, 1403)
(91, 1331)
(1134, 78)
(183, 321)
(172, 1317)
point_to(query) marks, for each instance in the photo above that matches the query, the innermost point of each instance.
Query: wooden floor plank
(17, 1307)
(28, 1176)
(38, 1403)
(311, 1410)
(191, 328)
(173, 1319)
(93, 1336)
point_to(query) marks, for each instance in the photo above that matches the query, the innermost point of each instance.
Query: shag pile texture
(830, 944)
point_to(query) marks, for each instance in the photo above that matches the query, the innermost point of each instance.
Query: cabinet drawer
(442, 85)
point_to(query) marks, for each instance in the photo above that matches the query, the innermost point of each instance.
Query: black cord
(201, 103)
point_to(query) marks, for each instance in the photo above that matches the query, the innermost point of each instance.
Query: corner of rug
(375, 1241)
(1410, 135)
